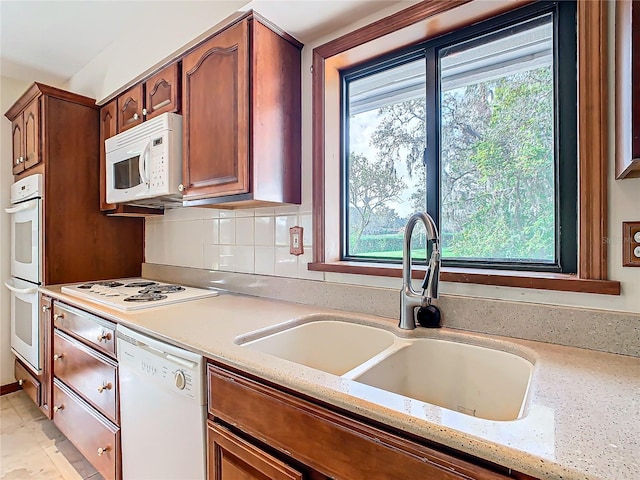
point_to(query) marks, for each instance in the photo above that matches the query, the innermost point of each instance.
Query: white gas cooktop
(135, 293)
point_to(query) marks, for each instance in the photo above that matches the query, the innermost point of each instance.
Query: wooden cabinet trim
(306, 432)
(37, 89)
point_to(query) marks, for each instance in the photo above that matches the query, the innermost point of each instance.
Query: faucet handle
(429, 316)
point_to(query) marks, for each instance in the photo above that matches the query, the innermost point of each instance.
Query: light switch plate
(295, 241)
(630, 244)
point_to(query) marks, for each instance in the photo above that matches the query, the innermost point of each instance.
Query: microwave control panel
(158, 165)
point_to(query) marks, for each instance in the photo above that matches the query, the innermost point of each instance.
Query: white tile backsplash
(283, 224)
(265, 260)
(244, 231)
(245, 241)
(244, 258)
(286, 264)
(264, 231)
(227, 231)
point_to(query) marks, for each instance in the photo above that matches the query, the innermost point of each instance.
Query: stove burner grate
(145, 297)
(162, 289)
(140, 284)
(111, 284)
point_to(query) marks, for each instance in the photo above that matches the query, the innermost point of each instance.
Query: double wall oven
(26, 268)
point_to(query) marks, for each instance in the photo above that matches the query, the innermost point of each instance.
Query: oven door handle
(24, 291)
(31, 204)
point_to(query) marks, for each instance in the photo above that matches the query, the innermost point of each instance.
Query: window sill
(538, 280)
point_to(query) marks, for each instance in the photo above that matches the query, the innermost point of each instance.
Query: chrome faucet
(409, 298)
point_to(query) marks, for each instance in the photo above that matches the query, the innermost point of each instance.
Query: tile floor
(32, 447)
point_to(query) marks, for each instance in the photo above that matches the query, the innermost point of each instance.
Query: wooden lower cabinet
(29, 383)
(332, 443)
(93, 435)
(233, 458)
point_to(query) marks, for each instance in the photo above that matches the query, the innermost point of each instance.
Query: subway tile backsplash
(243, 241)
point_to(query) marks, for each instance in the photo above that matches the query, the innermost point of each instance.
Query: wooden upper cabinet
(163, 92)
(216, 115)
(241, 125)
(627, 89)
(108, 128)
(25, 135)
(130, 105)
(17, 135)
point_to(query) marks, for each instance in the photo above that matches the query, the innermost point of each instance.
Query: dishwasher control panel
(170, 367)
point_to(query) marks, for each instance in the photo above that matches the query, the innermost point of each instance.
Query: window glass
(497, 163)
(385, 174)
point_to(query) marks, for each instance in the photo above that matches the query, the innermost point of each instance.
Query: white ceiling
(50, 41)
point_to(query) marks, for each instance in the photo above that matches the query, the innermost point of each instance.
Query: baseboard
(9, 388)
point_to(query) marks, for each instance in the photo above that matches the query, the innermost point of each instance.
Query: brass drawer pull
(104, 336)
(101, 450)
(57, 408)
(45, 308)
(56, 316)
(58, 356)
(106, 386)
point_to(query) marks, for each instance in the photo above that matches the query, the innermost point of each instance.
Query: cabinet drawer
(329, 442)
(90, 374)
(96, 438)
(94, 330)
(29, 382)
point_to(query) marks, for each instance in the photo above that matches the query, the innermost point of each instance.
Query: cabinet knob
(21, 159)
(136, 116)
(57, 356)
(181, 188)
(102, 451)
(57, 408)
(45, 308)
(102, 388)
(56, 316)
(20, 382)
(104, 337)
(144, 112)
(17, 161)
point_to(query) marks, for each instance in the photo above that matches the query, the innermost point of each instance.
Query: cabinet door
(17, 135)
(163, 92)
(130, 108)
(233, 458)
(32, 134)
(215, 92)
(108, 128)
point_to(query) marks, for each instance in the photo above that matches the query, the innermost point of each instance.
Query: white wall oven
(26, 268)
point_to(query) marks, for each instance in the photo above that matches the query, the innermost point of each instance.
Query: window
(426, 22)
(478, 128)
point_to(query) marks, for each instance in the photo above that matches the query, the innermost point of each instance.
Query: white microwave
(145, 162)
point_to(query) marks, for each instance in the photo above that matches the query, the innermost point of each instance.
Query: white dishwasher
(162, 409)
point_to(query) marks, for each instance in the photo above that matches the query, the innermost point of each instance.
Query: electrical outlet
(295, 241)
(631, 244)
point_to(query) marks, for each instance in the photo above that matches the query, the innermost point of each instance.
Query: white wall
(167, 27)
(213, 239)
(10, 90)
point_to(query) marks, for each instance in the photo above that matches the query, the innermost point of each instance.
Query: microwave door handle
(22, 207)
(25, 291)
(143, 165)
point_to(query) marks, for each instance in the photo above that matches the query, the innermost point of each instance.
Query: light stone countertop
(582, 419)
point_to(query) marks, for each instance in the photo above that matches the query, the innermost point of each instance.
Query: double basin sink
(474, 380)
